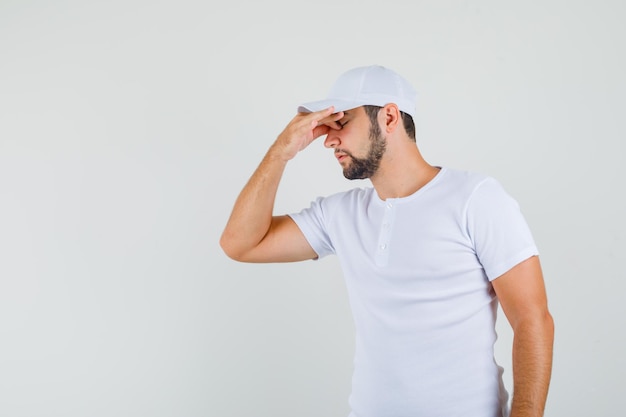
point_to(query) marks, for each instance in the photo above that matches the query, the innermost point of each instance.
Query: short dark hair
(407, 120)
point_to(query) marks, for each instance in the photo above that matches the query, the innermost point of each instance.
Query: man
(427, 253)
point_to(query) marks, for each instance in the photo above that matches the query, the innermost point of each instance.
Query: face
(359, 145)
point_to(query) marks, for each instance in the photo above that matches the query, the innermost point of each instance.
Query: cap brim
(339, 105)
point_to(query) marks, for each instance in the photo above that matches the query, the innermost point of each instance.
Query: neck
(402, 173)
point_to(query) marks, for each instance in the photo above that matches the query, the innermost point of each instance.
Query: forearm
(532, 366)
(251, 216)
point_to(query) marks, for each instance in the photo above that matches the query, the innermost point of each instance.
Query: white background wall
(127, 128)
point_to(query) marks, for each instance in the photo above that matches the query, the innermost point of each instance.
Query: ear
(390, 117)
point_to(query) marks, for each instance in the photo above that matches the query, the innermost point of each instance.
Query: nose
(332, 140)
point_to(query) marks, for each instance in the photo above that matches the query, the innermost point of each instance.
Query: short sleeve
(312, 221)
(497, 229)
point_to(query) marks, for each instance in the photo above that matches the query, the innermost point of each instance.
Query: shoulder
(469, 179)
(326, 211)
(463, 184)
(471, 189)
(355, 196)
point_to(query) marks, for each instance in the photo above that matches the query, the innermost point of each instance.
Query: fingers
(325, 120)
(325, 116)
(332, 120)
(304, 128)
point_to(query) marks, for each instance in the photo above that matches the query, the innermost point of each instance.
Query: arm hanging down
(522, 294)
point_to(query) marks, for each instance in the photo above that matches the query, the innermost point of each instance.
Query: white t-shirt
(418, 272)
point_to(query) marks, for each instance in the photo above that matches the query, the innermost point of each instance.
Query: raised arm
(521, 293)
(253, 233)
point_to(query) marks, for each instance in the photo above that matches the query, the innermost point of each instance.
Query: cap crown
(370, 85)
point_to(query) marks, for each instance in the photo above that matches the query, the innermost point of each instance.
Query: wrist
(279, 152)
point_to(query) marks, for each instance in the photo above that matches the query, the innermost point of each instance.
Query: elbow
(546, 321)
(541, 323)
(230, 248)
(549, 323)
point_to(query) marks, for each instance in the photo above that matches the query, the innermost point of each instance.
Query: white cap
(372, 85)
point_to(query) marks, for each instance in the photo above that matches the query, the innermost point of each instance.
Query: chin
(347, 175)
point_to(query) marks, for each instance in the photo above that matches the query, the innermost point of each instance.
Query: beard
(361, 168)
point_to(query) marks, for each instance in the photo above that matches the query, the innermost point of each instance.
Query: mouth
(341, 156)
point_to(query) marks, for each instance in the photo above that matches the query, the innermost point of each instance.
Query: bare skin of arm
(522, 294)
(253, 233)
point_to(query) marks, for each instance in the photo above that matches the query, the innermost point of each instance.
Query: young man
(427, 253)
